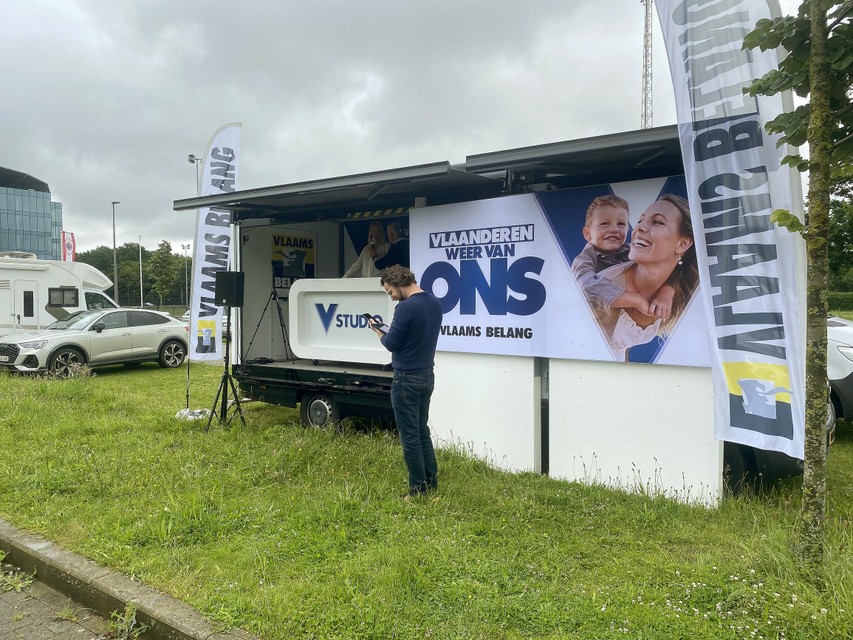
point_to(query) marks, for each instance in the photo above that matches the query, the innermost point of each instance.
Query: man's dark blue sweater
(413, 333)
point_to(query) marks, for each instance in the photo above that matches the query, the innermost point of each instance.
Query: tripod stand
(226, 388)
(288, 354)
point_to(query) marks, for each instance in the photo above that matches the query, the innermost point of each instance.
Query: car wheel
(172, 354)
(318, 411)
(831, 417)
(63, 362)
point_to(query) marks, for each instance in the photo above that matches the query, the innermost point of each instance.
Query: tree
(819, 65)
(163, 269)
(840, 250)
(164, 273)
(100, 257)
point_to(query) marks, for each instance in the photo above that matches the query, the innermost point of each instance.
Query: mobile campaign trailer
(35, 293)
(526, 377)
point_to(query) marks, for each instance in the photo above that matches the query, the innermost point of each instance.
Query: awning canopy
(635, 155)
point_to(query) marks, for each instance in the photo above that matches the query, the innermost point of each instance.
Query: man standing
(411, 339)
(398, 249)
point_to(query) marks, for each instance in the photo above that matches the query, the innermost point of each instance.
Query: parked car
(186, 316)
(839, 364)
(97, 337)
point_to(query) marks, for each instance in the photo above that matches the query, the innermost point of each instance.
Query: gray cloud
(105, 99)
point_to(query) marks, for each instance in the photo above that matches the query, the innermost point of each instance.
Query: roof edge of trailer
(379, 178)
(627, 155)
(497, 160)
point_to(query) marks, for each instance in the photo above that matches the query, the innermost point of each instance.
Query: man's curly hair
(397, 276)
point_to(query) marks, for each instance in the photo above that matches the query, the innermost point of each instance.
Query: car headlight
(34, 344)
(847, 352)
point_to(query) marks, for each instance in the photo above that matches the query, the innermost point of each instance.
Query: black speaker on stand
(228, 293)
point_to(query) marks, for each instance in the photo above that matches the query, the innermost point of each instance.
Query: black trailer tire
(63, 362)
(740, 466)
(172, 354)
(318, 410)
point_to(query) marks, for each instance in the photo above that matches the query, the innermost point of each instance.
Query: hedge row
(840, 300)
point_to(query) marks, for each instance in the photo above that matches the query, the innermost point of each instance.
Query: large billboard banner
(599, 273)
(752, 272)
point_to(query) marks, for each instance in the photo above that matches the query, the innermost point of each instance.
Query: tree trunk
(814, 476)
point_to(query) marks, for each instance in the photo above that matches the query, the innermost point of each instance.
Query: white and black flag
(752, 272)
(213, 249)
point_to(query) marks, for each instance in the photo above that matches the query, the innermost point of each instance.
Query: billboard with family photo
(599, 273)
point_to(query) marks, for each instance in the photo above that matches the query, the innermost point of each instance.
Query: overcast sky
(104, 99)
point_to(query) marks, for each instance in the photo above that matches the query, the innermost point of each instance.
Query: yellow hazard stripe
(379, 213)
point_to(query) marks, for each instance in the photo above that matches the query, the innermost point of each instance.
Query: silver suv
(97, 337)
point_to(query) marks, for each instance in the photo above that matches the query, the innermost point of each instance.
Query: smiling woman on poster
(662, 253)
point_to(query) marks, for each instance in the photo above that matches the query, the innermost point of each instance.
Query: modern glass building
(29, 220)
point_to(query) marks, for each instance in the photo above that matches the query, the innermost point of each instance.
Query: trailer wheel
(318, 411)
(739, 466)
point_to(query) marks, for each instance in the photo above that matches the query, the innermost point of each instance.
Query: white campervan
(35, 293)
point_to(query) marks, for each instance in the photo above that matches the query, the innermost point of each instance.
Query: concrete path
(38, 612)
(72, 578)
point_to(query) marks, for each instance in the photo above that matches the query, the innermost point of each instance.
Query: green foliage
(840, 300)
(163, 266)
(840, 249)
(100, 257)
(13, 580)
(300, 533)
(793, 34)
(124, 626)
(788, 220)
(163, 272)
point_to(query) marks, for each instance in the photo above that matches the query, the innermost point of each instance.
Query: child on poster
(606, 230)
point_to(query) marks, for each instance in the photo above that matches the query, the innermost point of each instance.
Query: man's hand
(375, 327)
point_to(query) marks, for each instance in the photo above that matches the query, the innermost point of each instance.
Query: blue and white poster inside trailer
(503, 271)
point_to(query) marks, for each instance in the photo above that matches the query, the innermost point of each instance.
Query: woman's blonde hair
(376, 225)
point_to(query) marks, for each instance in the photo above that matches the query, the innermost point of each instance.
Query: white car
(97, 337)
(839, 364)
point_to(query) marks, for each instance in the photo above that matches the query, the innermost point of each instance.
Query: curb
(104, 590)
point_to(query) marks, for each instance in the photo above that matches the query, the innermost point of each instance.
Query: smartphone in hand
(373, 323)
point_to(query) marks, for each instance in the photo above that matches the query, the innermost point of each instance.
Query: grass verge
(299, 533)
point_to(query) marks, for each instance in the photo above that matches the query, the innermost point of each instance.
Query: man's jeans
(410, 395)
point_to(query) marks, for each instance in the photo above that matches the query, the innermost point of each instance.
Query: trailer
(526, 385)
(35, 293)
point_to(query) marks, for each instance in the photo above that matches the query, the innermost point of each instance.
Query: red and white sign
(69, 247)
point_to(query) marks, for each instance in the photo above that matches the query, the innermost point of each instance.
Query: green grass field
(298, 533)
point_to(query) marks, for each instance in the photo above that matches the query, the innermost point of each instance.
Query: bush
(840, 300)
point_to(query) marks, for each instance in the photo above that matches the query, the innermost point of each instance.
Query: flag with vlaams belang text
(213, 250)
(752, 272)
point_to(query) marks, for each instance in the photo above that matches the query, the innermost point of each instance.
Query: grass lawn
(298, 533)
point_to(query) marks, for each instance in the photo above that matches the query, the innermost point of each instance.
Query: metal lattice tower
(646, 115)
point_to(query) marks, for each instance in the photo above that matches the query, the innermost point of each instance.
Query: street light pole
(115, 264)
(197, 161)
(186, 274)
(141, 303)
